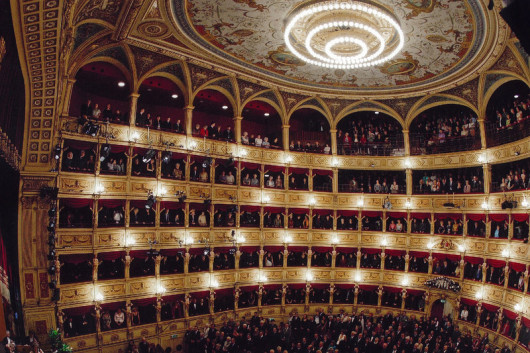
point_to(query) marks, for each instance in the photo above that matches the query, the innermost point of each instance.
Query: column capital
(189, 107)
(405, 131)
(286, 126)
(71, 80)
(238, 118)
(134, 95)
(333, 131)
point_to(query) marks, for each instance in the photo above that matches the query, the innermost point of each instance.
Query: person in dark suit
(86, 109)
(141, 117)
(178, 126)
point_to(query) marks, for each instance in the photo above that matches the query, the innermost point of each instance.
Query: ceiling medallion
(343, 34)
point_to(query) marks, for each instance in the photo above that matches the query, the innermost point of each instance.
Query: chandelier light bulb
(309, 276)
(524, 203)
(517, 307)
(357, 276)
(98, 296)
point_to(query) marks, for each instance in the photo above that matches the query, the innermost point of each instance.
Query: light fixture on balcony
(99, 189)
(518, 308)
(405, 281)
(121, 84)
(98, 297)
(334, 161)
(309, 276)
(224, 107)
(288, 159)
(129, 241)
(482, 158)
(524, 203)
(479, 294)
(408, 204)
(134, 136)
(384, 242)
(213, 282)
(357, 276)
(160, 289)
(312, 201)
(192, 145)
(484, 204)
(174, 96)
(505, 253)
(334, 239)
(430, 245)
(287, 239)
(408, 163)
(266, 114)
(360, 202)
(339, 35)
(461, 248)
(265, 199)
(262, 278)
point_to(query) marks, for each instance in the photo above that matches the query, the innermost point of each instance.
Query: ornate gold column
(409, 182)
(237, 128)
(333, 133)
(188, 112)
(482, 128)
(132, 108)
(487, 177)
(406, 142)
(67, 96)
(403, 298)
(407, 261)
(285, 136)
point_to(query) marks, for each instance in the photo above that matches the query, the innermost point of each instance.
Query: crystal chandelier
(343, 34)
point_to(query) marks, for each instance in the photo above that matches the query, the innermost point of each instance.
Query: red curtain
(273, 209)
(250, 208)
(392, 289)
(273, 248)
(138, 203)
(526, 321)
(144, 301)
(468, 302)
(297, 248)
(113, 306)
(296, 285)
(420, 215)
(346, 250)
(476, 217)
(453, 216)
(109, 256)
(170, 252)
(517, 267)
(249, 248)
(79, 310)
(321, 249)
(395, 252)
(111, 203)
(274, 169)
(223, 207)
(371, 214)
(319, 285)
(498, 217)
(199, 295)
(249, 288)
(301, 171)
(509, 314)
(397, 214)
(345, 285)
(139, 254)
(222, 250)
(442, 257)
(370, 251)
(80, 145)
(199, 207)
(496, 263)
(299, 211)
(346, 213)
(247, 165)
(415, 292)
(474, 260)
(418, 254)
(522, 217)
(489, 307)
(323, 172)
(172, 205)
(367, 287)
(76, 203)
(196, 251)
(322, 212)
(118, 148)
(77, 258)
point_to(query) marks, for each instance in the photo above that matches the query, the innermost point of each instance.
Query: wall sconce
(312, 201)
(360, 202)
(265, 199)
(518, 307)
(408, 163)
(288, 159)
(187, 240)
(134, 136)
(405, 281)
(481, 158)
(485, 205)
(430, 245)
(99, 189)
(161, 190)
(505, 253)
(192, 145)
(262, 278)
(479, 294)
(129, 241)
(524, 203)
(98, 297)
(357, 276)
(242, 152)
(287, 239)
(384, 242)
(461, 248)
(213, 282)
(408, 204)
(309, 276)
(160, 289)
(334, 162)
(334, 240)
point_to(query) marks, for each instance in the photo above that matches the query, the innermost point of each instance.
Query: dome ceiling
(443, 39)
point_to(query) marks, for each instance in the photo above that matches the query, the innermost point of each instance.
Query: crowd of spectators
(145, 119)
(510, 177)
(214, 132)
(513, 113)
(94, 111)
(261, 141)
(420, 226)
(448, 226)
(78, 160)
(369, 136)
(462, 181)
(445, 129)
(340, 333)
(374, 182)
(309, 147)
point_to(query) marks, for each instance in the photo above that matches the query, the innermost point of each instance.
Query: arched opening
(369, 133)
(508, 113)
(261, 125)
(309, 132)
(213, 116)
(444, 129)
(160, 105)
(441, 308)
(101, 91)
